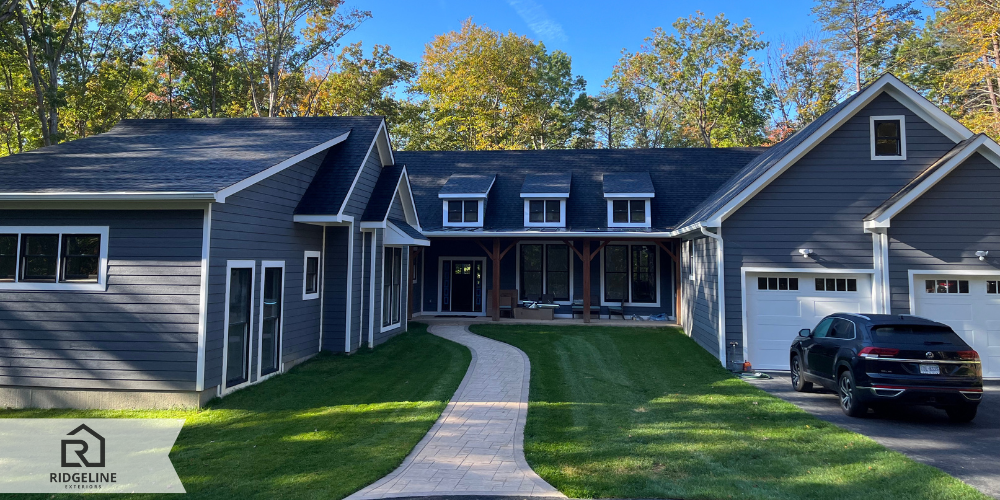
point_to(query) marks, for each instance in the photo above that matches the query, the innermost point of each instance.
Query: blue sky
(593, 33)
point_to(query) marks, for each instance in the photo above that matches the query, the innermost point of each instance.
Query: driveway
(970, 452)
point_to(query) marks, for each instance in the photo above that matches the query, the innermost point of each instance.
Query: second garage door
(781, 304)
(968, 304)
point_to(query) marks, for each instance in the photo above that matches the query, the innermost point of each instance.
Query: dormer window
(888, 137)
(463, 199)
(542, 211)
(545, 198)
(628, 196)
(628, 211)
(463, 211)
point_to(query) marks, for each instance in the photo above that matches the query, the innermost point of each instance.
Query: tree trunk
(989, 79)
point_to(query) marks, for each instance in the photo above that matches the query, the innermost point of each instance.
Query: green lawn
(324, 430)
(646, 413)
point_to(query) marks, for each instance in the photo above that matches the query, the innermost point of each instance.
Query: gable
(968, 192)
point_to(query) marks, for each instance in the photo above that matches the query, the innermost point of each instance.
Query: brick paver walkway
(475, 447)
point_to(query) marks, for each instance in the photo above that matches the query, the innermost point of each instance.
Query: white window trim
(440, 292)
(902, 136)
(402, 283)
(659, 290)
(562, 213)
(480, 202)
(102, 273)
(260, 320)
(545, 277)
(230, 265)
(305, 261)
(611, 223)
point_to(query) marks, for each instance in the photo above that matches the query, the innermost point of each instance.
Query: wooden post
(586, 281)
(496, 279)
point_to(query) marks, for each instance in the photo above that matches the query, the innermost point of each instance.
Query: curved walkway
(475, 447)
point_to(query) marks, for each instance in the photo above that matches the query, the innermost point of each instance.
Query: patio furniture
(578, 308)
(507, 305)
(618, 309)
(544, 313)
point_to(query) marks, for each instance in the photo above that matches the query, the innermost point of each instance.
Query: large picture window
(630, 274)
(52, 258)
(238, 306)
(544, 271)
(392, 281)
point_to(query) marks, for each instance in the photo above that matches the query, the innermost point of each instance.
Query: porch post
(496, 279)
(586, 281)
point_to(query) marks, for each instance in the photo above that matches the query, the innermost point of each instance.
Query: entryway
(462, 285)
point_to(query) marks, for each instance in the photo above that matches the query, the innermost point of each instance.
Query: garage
(780, 304)
(967, 303)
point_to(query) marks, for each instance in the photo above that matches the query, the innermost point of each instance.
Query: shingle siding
(141, 333)
(700, 319)
(819, 203)
(256, 224)
(943, 229)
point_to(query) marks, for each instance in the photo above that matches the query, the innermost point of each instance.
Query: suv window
(822, 328)
(916, 334)
(841, 329)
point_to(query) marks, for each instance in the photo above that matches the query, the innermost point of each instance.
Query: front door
(463, 285)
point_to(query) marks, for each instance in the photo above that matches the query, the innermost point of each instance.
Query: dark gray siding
(335, 289)
(141, 333)
(819, 203)
(366, 286)
(396, 209)
(256, 224)
(699, 257)
(945, 227)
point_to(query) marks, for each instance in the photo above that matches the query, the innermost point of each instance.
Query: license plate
(930, 369)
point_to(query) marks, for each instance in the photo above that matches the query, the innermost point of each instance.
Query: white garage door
(968, 304)
(781, 304)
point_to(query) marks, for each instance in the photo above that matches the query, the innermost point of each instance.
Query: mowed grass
(646, 413)
(326, 429)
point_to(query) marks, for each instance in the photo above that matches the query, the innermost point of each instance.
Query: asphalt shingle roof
(628, 182)
(180, 155)
(468, 184)
(408, 229)
(549, 183)
(336, 175)
(682, 177)
(383, 193)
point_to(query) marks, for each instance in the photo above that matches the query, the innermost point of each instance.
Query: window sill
(392, 327)
(629, 225)
(310, 296)
(896, 158)
(100, 287)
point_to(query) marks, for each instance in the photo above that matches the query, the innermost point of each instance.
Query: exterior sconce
(982, 254)
(806, 252)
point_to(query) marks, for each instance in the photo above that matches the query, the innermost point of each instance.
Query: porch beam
(666, 249)
(600, 248)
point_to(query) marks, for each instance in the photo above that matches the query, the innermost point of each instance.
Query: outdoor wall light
(805, 251)
(982, 254)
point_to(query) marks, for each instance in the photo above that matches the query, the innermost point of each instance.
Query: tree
(284, 36)
(361, 86)
(865, 33)
(806, 80)
(700, 85)
(201, 49)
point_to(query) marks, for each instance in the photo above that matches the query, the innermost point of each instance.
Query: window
(392, 279)
(775, 283)
(836, 285)
(238, 306)
(310, 276)
(628, 212)
(53, 258)
(888, 137)
(543, 212)
(841, 329)
(947, 286)
(463, 211)
(544, 271)
(991, 287)
(630, 274)
(822, 329)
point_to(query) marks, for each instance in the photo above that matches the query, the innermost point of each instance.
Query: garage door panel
(826, 307)
(948, 311)
(974, 315)
(782, 309)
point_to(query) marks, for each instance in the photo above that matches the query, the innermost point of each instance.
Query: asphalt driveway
(970, 452)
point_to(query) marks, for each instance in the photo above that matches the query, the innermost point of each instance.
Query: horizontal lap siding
(700, 295)
(256, 224)
(820, 202)
(945, 227)
(141, 333)
(396, 209)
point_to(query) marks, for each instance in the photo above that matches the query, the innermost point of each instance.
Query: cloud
(538, 20)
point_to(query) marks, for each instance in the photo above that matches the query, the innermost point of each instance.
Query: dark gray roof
(468, 184)
(182, 155)
(548, 183)
(759, 166)
(336, 175)
(383, 193)
(689, 175)
(408, 229)
(628, 183)
(910, 186)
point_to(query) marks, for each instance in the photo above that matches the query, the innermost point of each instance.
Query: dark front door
(463, 286)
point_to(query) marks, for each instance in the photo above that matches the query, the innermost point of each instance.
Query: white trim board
(375, 143)
(264, 265)
(902, 136)
(206, 248)
(397, 237)
(311, 254)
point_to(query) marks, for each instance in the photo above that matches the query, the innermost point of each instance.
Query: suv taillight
(969, 355)
(878, 352)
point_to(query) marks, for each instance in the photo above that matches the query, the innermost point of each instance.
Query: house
(167, 262)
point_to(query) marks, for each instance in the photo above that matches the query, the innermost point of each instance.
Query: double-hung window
(463, 211)
(544, 213)
(392, 289)
(888, 137)
(310, 276)
(630, 274)
(628, 213)
(53, 258)
(545, 271)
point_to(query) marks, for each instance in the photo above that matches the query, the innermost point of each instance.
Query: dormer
(463, 199)
(628, 195)
(545, 198)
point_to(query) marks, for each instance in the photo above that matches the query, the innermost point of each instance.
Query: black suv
(879, 360)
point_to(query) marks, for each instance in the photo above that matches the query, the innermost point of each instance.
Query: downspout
(721, 271)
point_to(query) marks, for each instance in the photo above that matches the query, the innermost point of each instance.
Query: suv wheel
(798, 381)
(962, 413)
(850, 403)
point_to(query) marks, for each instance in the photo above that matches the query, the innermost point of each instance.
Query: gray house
(167, 262)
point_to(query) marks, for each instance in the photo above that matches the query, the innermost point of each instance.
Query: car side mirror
(805, 332)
